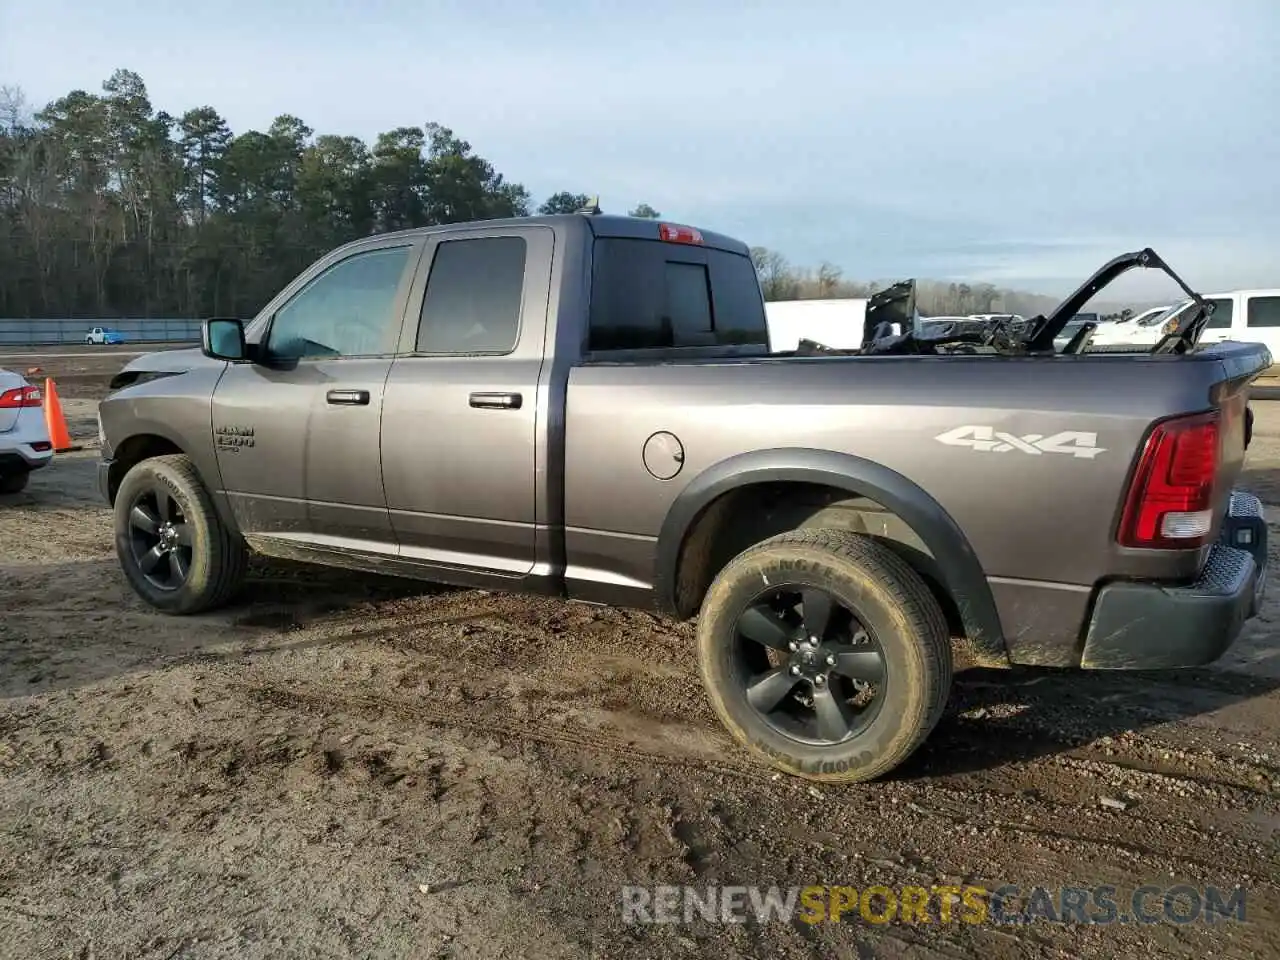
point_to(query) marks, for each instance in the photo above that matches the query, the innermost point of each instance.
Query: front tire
(174, 549)
(825, 654)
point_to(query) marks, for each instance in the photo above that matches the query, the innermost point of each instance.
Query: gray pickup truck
(587, 406)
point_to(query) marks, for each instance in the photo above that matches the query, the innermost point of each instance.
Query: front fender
(177, 409)
(958, 564)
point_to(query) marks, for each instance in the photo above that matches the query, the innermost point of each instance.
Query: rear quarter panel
(1045, 518)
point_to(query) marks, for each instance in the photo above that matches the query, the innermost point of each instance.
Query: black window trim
(415, 319)
(640, 355)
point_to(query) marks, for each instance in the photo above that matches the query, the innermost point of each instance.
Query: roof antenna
(592, 206)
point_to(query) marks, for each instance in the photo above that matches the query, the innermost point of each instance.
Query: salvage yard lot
(344, 766)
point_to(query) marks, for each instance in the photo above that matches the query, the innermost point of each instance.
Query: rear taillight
(1170, 501)
(20, 397)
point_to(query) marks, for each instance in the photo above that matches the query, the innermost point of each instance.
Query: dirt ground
(352, 767)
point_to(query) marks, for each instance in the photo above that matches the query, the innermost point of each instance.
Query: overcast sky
(1017, 142)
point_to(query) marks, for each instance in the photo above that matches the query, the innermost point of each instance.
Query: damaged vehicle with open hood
(589, 407)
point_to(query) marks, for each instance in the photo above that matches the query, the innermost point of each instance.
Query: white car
(1145, 329)
(988, 317)
(1146, 316)
(1245, 316)
(24, 438)
(104, 335)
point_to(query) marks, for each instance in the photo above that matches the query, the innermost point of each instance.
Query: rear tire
(880, 638)
(14, 482)
(173, 547)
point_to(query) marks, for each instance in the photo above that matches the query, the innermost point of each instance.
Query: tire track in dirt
(695, 751)
(588, 809)
(354, 768)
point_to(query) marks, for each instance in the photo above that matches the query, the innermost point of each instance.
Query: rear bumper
(1139, 626)
(23, 458)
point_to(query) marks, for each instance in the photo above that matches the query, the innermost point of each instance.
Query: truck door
(297, 435)
(464, 456)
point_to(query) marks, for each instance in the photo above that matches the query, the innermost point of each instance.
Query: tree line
(782, 280)
(112, 208)
(109, 207)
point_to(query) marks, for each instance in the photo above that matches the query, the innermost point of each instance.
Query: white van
(1247, 316)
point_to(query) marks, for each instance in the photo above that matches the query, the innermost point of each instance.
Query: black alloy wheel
(808, 666)
(160, 538)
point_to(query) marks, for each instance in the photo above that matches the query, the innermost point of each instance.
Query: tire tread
(907, 590)
(228, 555)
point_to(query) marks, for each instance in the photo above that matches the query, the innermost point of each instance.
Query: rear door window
(473, 298)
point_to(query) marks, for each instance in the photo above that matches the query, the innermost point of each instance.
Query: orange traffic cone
(54, 419)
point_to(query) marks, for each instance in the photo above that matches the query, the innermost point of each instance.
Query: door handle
(354, 398)
(497, 401)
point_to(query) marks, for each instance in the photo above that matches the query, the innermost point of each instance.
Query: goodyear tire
(173, 548)
(824, 654)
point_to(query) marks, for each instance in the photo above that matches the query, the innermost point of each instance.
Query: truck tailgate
(1241, 365)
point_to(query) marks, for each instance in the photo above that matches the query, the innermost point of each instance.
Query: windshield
(1171, 312)
(1153, 319)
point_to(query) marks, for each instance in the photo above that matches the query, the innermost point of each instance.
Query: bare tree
(828, 279)
(13, 108)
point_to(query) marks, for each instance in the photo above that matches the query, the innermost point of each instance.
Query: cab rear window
(646, 294)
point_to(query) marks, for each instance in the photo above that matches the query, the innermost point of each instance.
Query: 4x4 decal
(1073, 443)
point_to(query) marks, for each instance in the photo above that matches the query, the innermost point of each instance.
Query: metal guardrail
(31, 333)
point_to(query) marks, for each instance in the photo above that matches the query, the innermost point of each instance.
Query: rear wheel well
(750, 514)
(133, 451)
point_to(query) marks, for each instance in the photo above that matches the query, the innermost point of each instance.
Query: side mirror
(223, 339)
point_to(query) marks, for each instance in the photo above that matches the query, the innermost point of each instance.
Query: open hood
(894, 304)
(1044, 330)
(1038, 335)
